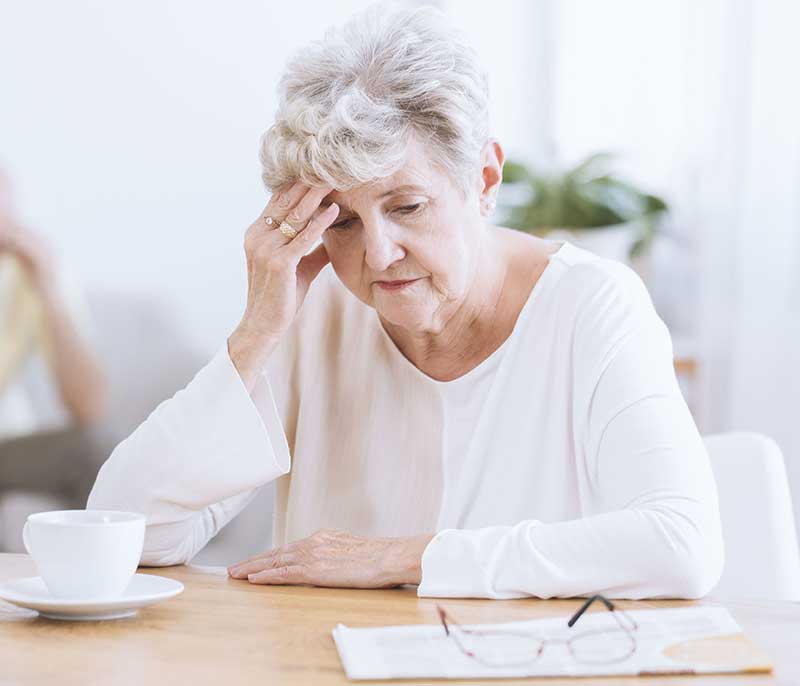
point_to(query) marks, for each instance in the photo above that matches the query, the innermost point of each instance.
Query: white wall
(764, 388)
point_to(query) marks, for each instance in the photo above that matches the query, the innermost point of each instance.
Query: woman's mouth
(394, 285)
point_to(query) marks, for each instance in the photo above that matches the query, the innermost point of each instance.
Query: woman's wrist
(249, 353)
(404, 562)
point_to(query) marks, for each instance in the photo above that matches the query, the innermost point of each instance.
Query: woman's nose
(381, 249)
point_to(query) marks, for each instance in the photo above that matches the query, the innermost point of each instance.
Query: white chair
(761, 550)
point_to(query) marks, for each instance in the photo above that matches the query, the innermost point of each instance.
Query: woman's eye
(409, 209)
(405, 209)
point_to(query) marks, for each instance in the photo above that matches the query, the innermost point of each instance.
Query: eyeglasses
(509, 647)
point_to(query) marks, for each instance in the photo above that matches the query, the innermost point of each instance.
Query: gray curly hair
(350, 102)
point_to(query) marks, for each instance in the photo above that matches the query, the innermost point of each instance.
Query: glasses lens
(501, 649)
(603, 647)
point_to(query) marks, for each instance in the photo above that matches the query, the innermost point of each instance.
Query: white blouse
(566, 463)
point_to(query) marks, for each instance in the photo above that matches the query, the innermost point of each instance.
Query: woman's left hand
(338, 559)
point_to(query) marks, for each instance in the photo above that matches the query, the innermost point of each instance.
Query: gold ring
(287, 230)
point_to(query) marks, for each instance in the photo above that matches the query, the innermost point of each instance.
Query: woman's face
(413, 225)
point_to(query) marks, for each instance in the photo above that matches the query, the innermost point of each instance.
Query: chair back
(762, 560)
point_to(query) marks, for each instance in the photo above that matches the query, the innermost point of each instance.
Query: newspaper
(425, 651)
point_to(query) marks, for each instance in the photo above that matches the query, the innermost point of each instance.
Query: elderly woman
(452, 404)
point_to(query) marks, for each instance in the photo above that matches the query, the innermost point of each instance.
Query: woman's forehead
(379, 193)
(403, 182)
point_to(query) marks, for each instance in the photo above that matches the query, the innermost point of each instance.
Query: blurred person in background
(52, 387)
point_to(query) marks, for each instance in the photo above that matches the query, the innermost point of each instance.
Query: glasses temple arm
(609, 605)
(442, 618)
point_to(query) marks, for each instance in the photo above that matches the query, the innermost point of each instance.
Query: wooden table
(226, 631)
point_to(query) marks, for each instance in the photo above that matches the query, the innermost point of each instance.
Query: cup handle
(25, 538)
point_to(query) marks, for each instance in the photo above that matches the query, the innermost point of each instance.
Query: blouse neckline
(494, 358)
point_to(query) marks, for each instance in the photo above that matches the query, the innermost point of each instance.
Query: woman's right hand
(279, 273)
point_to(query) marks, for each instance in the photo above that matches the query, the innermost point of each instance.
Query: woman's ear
(492, 158)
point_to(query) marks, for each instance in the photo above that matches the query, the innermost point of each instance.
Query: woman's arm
(195, 462)
(199, 458)
(78, 373)
(654, 530)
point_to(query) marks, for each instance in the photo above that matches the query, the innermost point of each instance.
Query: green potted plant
(587, 205)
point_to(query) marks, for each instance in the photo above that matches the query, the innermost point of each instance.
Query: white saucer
(144, 589)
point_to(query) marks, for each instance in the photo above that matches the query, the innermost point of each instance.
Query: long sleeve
(195, 462)
(652, 528)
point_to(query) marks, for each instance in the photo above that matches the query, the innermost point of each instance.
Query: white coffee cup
(85, 554)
